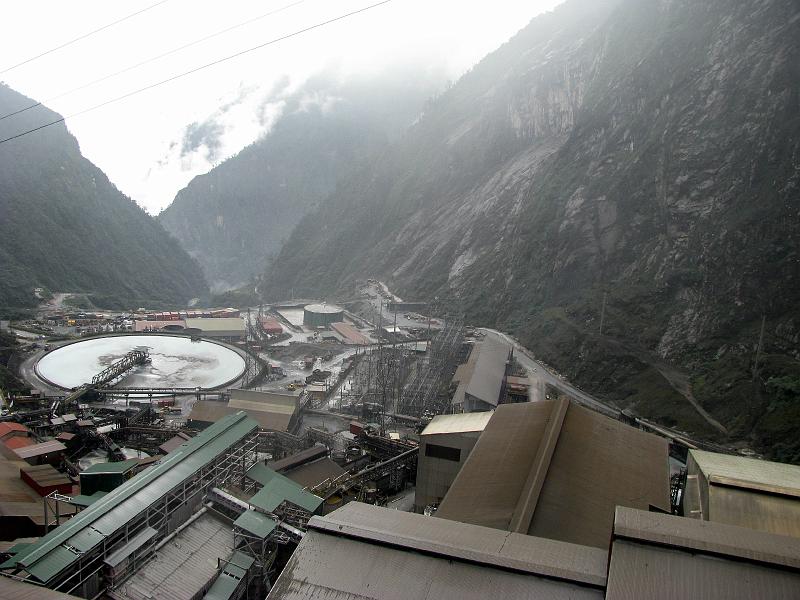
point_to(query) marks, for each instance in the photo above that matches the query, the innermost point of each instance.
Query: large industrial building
(366, 552)
(556, 470)
(322, 315)
(480, 381)
(271, 410)
(228, 329)
(205, 521)
(743, 491)
(444, 446)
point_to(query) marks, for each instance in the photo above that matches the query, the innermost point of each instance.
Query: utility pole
(603, 312)
(758, 348)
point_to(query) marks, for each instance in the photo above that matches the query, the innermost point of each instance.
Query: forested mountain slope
(642, 151)
(64, 226)
(238, 215)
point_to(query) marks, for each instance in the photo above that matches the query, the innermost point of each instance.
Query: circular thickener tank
(322, 315)
(175, 361)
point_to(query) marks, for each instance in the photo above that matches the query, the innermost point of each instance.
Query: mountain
(635, 162)
(65, 226)
(238, 215)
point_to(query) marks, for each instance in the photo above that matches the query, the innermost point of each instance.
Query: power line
(196, 69)
(82, 37)
(152, 59)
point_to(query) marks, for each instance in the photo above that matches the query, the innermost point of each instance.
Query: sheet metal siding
(129, 500)
(487, 488)
(756, 510)
(468, 542)
(640, 571)
(322, 567)
(747, 469)
(599, 464)
(486, 381)
(706, 536)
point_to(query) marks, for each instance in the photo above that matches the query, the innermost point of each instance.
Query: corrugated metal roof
(17, 442)
(185, 565)
(298, 458)
(40, 449)
(760, 472)
(277, 489)
(460, 423)
(596, 464)
(46, 475)
(210, 411)
(114, 510)
(255, 523)
(136, 542)
(216, 325)
(463, 541)
(16, 590)
(233, 572)
(404, 555)
(708, 537)
(663, 556)
(486, 379)
(310, 474)
(11, 427)
(121, 466)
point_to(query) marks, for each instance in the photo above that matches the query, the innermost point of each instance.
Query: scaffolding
(171, 493)
(425, 395)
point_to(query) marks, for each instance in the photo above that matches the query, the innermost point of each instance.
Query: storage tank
(322, 315)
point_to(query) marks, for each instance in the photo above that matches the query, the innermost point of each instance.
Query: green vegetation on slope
(66, 227)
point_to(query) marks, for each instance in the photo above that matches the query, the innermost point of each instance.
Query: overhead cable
(150, 60)
(196, 69)
(82, 37)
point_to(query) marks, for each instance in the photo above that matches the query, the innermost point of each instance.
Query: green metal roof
(53, 563)
(231, 577)
(115, 509)
(255, 523)
(111, 467)
(278, 489)
(84, 501)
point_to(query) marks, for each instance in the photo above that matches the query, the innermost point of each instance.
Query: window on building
(443, 452)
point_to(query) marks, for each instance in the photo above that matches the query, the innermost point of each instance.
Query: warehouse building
(743, 491)
(227, 329)
(557, 470)
(481, 380)
(444, 446)
(646, 555)
(271, 410)
(322, 315)
(97, 549)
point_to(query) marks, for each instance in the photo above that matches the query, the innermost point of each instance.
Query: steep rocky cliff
(66, 227)
(238, 215)
(642, 154)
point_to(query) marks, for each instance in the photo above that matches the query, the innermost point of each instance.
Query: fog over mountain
(238, 215)
(642, 151)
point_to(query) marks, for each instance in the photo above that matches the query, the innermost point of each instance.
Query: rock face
(645, 151)
(64, 226)
(236, 217)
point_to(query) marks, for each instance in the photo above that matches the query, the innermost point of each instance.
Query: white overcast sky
(130, 140)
